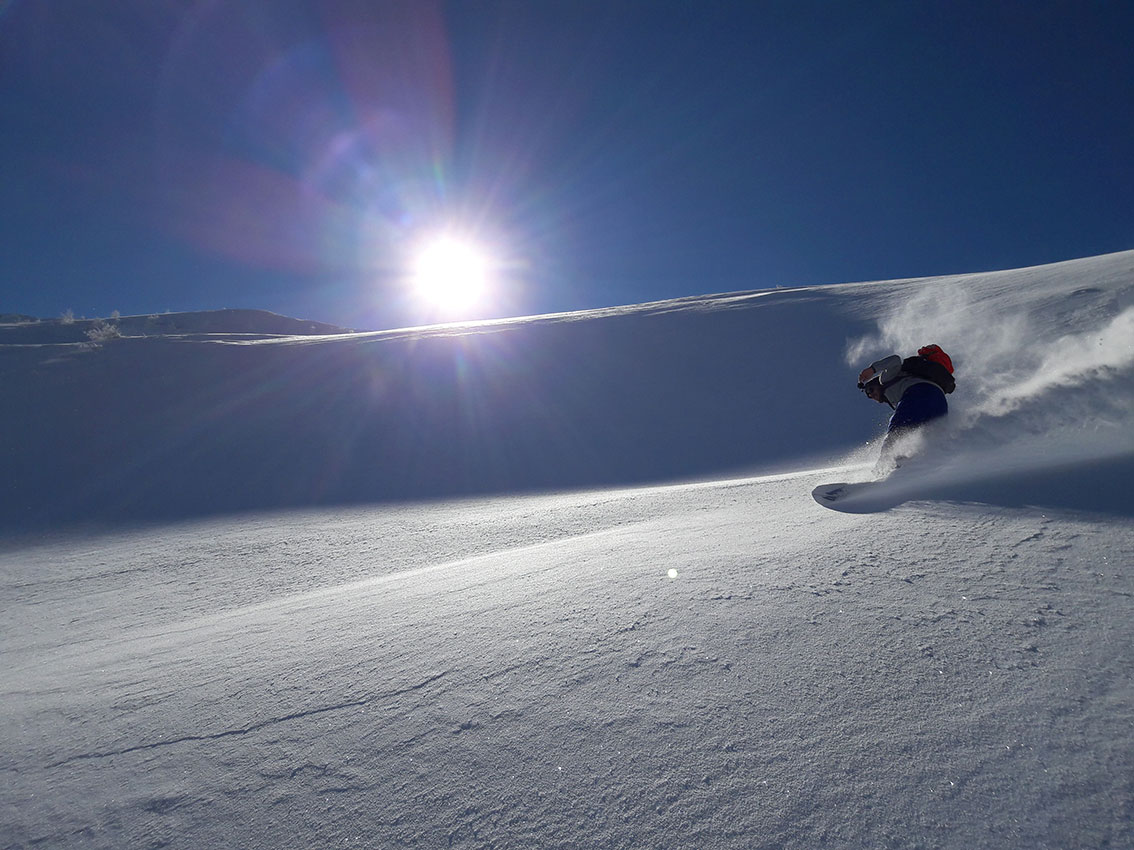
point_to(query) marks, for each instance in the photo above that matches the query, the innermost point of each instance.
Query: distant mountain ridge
(28, 330)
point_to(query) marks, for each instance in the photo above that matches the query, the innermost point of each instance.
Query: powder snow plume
(1044, 360)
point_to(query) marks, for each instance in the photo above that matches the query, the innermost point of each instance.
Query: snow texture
(560, 582)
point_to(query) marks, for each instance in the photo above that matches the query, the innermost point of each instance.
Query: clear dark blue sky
(195, 154)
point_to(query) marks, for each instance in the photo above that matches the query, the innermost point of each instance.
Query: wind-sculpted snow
(720, 665)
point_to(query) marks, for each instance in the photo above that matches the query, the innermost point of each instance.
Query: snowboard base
(861, 497)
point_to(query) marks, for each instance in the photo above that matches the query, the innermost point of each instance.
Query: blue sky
(197, 154)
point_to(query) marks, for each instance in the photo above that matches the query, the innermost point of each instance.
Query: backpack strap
(901, 377)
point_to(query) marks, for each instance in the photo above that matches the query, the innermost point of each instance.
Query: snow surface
(560, 582)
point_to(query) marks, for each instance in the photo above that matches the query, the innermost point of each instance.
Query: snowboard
(825, 494)
(857, 497)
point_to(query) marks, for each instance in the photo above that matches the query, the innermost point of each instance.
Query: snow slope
(717, 662)
(151, 427)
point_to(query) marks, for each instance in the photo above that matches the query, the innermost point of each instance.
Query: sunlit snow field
(560, 582)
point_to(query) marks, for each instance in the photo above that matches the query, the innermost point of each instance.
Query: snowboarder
(914, 387)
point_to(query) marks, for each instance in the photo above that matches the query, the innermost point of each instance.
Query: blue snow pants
(920, 404)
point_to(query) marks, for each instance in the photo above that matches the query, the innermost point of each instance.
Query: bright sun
(450, 274)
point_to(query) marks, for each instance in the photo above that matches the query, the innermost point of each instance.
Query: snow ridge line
(247, 730)
(724, 483)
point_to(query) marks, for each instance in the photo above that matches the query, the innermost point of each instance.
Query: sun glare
(451, 275)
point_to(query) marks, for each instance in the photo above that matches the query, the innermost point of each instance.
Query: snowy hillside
(171, 426)
(559, 581)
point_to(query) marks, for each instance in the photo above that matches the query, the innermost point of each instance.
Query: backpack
(934, 353)
(932, 364)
